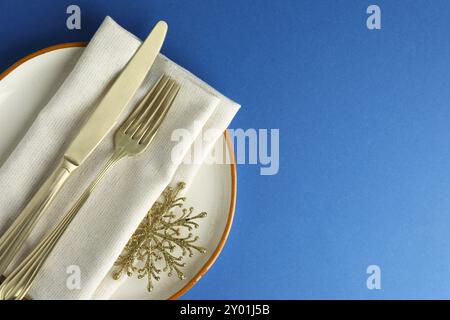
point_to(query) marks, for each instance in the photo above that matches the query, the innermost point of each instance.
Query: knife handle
(20, 280)
(19, 231)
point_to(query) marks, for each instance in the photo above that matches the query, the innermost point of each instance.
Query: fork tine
(153, 109)
(149, 110)
(134, 117)
(141, 107)
(152, 126)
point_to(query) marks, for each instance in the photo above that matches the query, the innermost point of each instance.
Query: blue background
(364, 134)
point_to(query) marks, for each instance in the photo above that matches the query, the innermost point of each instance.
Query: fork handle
(14, 238)
(19, 282)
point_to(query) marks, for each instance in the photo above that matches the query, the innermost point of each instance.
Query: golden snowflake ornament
(162, 241)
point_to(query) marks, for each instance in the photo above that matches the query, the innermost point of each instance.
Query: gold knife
(94, 130)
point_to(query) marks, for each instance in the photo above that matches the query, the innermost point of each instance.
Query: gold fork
(131, 139)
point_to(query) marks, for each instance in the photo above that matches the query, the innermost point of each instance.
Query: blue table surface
(363, 116)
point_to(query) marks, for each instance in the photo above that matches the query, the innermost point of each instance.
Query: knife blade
(117, 98)
(91, 134)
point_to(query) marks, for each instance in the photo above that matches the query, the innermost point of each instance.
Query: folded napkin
(108, 219)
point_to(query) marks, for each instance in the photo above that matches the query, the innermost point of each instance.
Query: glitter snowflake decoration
(162, 241)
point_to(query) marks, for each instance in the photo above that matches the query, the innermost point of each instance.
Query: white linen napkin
(103, 226)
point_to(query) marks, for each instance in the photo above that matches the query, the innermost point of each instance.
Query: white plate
(24, 90)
